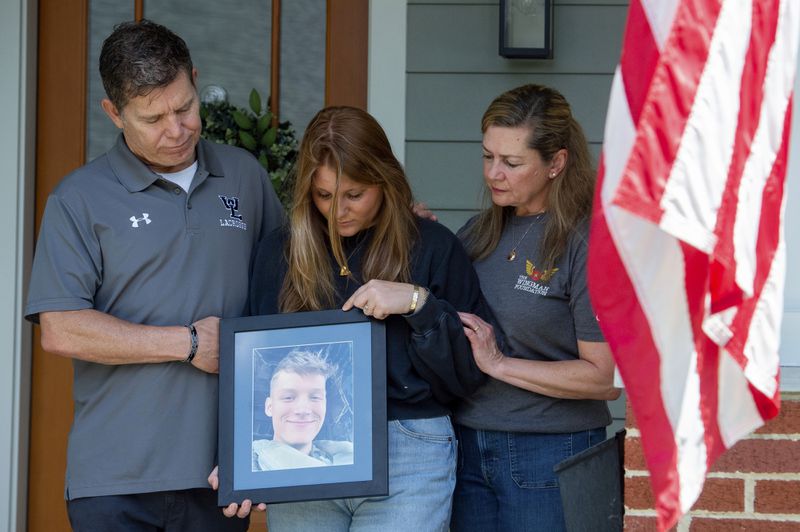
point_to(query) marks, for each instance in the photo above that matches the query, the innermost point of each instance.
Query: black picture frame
(355, 348)
(526, 29)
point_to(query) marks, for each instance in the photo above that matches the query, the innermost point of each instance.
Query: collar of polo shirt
(136, 176)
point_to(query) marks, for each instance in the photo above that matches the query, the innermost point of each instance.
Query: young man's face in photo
(296, 404)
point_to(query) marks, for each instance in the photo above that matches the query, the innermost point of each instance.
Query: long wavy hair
(548, 118)
(352, 143)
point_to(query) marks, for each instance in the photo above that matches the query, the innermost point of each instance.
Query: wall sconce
(526, 29)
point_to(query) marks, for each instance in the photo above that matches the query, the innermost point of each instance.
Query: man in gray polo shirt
(140, 253)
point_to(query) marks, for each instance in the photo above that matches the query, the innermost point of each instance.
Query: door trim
(60, 148)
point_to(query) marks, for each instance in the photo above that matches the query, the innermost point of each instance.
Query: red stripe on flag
(724, 290)
(696, 274)
(614, 298)
(638, 63)
(768, 407)
(666, 111)
(708, 367)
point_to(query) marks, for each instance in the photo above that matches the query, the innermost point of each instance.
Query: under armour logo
(135, 221)
(232, 204)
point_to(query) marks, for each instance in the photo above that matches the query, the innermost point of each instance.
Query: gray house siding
(453, 71)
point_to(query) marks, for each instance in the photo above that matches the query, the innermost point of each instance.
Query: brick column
(754, 486)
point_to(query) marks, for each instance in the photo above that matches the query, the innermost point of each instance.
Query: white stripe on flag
(619, 135)
(740, 414)
(669, 320)
(660, 14)
(763, 338)
(699, 173)
(778, 86)
(690, 438)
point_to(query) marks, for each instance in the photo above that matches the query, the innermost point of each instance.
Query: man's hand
(233, 509)
(207, 357)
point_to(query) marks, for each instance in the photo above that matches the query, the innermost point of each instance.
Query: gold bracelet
(414, 299)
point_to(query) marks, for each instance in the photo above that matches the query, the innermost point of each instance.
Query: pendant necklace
(344, 271)
(513, 253)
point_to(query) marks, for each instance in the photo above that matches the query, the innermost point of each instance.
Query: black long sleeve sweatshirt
(429, 360)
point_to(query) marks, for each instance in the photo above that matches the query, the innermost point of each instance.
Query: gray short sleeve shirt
(543, 314)
(120, 239)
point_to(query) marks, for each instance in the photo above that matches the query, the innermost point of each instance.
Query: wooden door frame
(347, 52)
(61, 147)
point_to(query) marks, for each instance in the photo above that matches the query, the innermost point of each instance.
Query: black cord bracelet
(193, 350)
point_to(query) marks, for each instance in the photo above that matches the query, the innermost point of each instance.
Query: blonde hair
(352, 143)
(303, 362)
(548, 118)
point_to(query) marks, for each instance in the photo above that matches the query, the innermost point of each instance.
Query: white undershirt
(182, 178)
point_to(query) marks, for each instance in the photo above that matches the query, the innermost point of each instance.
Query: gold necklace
(344, 271)
(513, 253)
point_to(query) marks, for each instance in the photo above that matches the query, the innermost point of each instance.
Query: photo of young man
(296, 404)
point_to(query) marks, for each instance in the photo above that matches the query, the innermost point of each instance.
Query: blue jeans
(422, 475)
(163, 511)
(506, 479)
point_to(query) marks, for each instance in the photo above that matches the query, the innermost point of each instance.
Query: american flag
(687, 257)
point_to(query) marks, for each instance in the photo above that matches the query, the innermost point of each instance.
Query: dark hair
(351, 142)
(140, 57)
(548, 117)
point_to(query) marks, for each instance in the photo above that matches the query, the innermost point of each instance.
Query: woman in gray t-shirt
(546, 398)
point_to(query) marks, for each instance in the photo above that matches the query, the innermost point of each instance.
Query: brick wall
(754, 486)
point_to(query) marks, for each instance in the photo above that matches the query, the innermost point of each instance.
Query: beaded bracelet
(193, 350)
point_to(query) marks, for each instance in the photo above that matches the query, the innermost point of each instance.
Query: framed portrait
(302, 407)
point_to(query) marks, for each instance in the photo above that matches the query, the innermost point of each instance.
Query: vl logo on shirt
(234, 219)
(136, 221)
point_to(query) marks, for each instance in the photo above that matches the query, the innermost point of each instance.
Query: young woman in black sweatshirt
(353, 242)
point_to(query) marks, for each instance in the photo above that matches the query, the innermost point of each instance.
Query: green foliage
(274, 147)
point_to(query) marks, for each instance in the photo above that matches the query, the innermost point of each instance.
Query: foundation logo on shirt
(234, 219)
(534, 280)
(538, 275)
